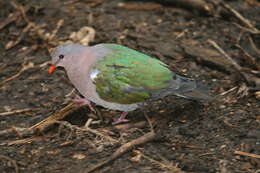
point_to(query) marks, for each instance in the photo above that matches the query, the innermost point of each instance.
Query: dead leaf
(79, 156)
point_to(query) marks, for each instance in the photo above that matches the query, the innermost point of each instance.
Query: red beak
(51, 69)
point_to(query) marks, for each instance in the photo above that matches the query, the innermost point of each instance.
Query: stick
(20, 8)
(24, 141)
(126, 126)
(228, 91)
(11, 44)
(139, 7)
(162, 165)
(12, 17)
(234, 63)
(100, 134)
(148, 137)
(242, 153)
(87, 124)
(19, 131)
(16, 111)
(12, 161)
(241, 18)
(96, 132)
(149, 121)
(53, 118)
(254, 46)
(24, 68)
(200, 5)
(250, 59)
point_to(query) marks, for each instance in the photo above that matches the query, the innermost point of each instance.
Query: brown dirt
(194, 137)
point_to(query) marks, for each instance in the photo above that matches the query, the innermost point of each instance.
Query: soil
(193, 137)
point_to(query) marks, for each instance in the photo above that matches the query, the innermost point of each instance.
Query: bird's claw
(121, 119)
(79, 102)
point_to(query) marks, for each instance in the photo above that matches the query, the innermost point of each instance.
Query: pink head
(65, 55)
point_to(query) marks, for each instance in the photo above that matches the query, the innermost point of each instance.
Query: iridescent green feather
(127, 76)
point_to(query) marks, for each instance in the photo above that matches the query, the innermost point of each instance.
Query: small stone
(222, 106)
(257, 94)
(184, 70)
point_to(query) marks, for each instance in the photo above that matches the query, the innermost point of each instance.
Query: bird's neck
(78, 71)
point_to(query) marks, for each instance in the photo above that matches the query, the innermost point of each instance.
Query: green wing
(127, 76)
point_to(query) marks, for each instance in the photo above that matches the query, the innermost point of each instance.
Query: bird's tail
(190, 89)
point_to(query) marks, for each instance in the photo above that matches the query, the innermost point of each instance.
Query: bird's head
(64, 55)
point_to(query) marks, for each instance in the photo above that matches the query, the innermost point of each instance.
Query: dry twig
(139, 7)
(53, 118)
(174, 169)
(20, 8)
(246, 22)
(254, 46)
(12, 43)
(149, 121)
(148, 137)
(126, 126)
(228, 91)
(12, 161)
(44, 124)
(32, 27)
(24, 141)
(250, 59)
(25, 66)
(17, 111)
(248, 77)
(242, 153)
(41, 126)
(87, 129)
(234, 63)
(19, 131)
(87, 124)
(13, 17)
(91, 3)
(100, 134)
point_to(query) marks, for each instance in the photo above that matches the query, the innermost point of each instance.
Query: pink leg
(121, 119)
(82, 102)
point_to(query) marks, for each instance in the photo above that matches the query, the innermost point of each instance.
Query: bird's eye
(61, 56)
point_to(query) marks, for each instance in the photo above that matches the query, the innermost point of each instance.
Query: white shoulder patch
(93, 74)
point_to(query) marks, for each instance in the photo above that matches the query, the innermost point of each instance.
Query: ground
(191, 136)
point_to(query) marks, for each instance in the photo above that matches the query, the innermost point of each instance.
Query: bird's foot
(79, 102)
(121, 119)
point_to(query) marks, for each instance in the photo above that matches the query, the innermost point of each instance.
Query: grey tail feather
(190, 89)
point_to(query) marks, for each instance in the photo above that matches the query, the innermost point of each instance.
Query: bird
(120, 78)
